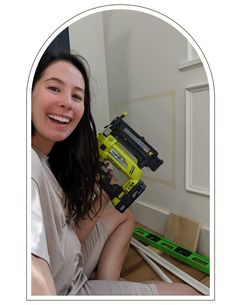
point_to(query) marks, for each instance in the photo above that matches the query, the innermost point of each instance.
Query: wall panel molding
(159, 127)
(197, 139)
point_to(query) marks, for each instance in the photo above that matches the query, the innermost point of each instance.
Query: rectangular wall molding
(198, 139)
(159, 129)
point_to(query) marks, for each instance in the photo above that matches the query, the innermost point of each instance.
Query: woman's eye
(77, 97)
(54, 89)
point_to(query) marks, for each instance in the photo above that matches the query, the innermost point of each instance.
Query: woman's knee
(129, 217)
(112, 219)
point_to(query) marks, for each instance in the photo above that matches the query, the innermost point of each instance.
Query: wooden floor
(136, 269)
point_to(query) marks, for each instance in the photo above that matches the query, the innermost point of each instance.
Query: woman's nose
(66, 102)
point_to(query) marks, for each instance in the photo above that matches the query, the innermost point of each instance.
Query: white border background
(25, 26)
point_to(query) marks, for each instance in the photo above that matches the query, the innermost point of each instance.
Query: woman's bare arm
(41, 277)
(100, 203)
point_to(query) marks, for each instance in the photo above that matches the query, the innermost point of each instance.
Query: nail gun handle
(105, 182)
(121, 196)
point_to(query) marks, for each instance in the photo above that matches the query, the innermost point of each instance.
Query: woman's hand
(100, 202)
(99, 192)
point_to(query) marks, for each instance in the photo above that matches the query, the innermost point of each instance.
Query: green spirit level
(193, 259)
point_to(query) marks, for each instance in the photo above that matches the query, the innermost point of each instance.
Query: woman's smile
(62, 120)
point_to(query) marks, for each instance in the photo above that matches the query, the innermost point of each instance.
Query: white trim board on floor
(172, 268)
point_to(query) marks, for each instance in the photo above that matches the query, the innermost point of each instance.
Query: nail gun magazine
(129, 153)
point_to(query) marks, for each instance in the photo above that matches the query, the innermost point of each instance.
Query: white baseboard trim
(156, 220)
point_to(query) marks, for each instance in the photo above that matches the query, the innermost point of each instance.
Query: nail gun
(114, 142)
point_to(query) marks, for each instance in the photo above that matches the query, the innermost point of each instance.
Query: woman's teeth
(59, 118)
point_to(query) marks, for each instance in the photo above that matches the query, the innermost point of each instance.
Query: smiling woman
(62, 122)
(82, 243)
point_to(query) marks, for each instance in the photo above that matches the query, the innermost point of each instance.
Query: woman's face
(57, 104)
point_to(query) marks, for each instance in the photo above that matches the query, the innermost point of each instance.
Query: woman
(78, 243)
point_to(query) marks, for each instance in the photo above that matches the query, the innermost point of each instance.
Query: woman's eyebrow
(55, 79)
(61, 82)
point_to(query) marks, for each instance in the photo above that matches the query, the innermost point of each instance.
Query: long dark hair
(74, 161)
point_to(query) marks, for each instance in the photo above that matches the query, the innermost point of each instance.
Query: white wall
(143, 56)
(87, 39)
(138, 57)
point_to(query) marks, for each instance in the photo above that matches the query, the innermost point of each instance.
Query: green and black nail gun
(114, 143)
